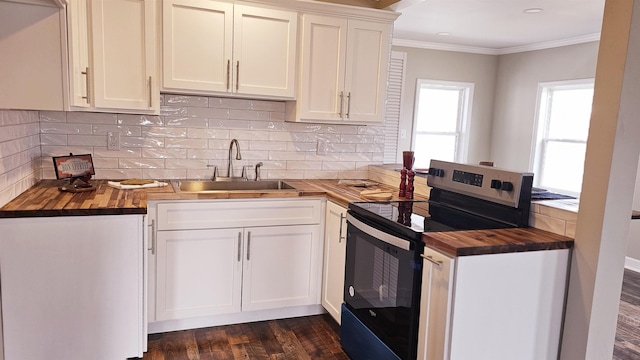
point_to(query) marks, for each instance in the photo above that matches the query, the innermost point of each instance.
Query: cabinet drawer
(226, 214)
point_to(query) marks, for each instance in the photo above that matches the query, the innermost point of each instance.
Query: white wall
(452, 66)
(516, 96)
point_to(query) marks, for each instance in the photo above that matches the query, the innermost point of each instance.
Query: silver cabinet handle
(341, 102)
(153, 237)
(228, 74)
(340, 237)
(86, 73)
(150, 93)
(430, 259)
(239, 246)
(348, 103)
(248, 245)
(237, 75)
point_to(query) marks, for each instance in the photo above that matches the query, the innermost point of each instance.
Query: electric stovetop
(396, 216)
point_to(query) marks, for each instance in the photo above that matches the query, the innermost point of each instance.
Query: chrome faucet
(258, 165)
(238, 156)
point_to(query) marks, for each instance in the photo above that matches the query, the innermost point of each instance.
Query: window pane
(570, 114)
(440, 147)
(438, 110)
(562, 166)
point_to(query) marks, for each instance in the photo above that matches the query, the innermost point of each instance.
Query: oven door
(382, 284)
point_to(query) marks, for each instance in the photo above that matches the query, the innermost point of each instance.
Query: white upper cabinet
(343, 70)
(215, 47)
(113, 56)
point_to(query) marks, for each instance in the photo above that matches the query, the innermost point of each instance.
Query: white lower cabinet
(73, 287)
(232, 271)
(335, 249)
(498, 306)
(199, 273)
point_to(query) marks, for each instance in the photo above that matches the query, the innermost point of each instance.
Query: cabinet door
(264, 51)
(321, 92)
(198, 273)
(123, 54)
(335, 236)
(435, 306)
(197, 44)
(74, 283)
(78, 53)
(282, 267)
(366, 71)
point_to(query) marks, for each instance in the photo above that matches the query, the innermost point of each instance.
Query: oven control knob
(436, 172)
(496, 184)
(507, 186)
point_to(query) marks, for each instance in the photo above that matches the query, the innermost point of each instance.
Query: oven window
(380, 288)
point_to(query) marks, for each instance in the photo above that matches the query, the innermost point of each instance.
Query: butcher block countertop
(44, 198)
(479, 242)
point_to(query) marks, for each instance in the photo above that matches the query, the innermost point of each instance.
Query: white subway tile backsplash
(142, 120)
(20, 152)
(53, 116)
(229, 103)
(138, 163)
(187, 122)
(51, 139)
(249, 115)
(156, 131)
(92, 118)
(65, 128)
(163, 153)
(86, 140)
(208, 133)
(190, 132)
(124, 130)
(186, 143)
(200, 101)
(229, 124)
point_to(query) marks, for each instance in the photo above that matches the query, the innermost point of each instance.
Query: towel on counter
(118, 185)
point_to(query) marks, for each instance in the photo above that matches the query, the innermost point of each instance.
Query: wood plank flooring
(304, 338)
(627, 345)
(317, 337)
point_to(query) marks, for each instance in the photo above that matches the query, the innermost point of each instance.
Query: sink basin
(210, 186)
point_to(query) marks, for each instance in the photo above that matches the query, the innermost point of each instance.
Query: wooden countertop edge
(510, 241)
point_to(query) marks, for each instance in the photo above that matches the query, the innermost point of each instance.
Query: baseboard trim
(237, 318)
(632, 264)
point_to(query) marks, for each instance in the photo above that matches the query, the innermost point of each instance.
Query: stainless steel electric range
(383, 272)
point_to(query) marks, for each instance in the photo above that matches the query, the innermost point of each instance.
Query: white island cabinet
(73, 287)
(231, 261)
(494, 307)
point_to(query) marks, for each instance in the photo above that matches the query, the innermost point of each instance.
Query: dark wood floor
(317, 337)
(305, 338)
(627, 345)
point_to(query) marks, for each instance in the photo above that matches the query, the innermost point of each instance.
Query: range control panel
(485, 182)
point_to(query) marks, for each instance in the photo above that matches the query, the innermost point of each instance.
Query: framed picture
(73, 166)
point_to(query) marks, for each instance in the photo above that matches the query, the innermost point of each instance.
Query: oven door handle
(378, 234)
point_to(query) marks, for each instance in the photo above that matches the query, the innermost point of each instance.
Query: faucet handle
(245, 171)
(258, 166)
(215, 171)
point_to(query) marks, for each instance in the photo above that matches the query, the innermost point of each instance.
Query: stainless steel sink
(211, 186)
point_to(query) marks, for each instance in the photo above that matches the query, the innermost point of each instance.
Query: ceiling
(496, 26)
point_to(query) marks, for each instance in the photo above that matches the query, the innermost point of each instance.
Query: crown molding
(492, 51)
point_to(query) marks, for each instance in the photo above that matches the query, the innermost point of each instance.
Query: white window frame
(541, 127)
(464, 113)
